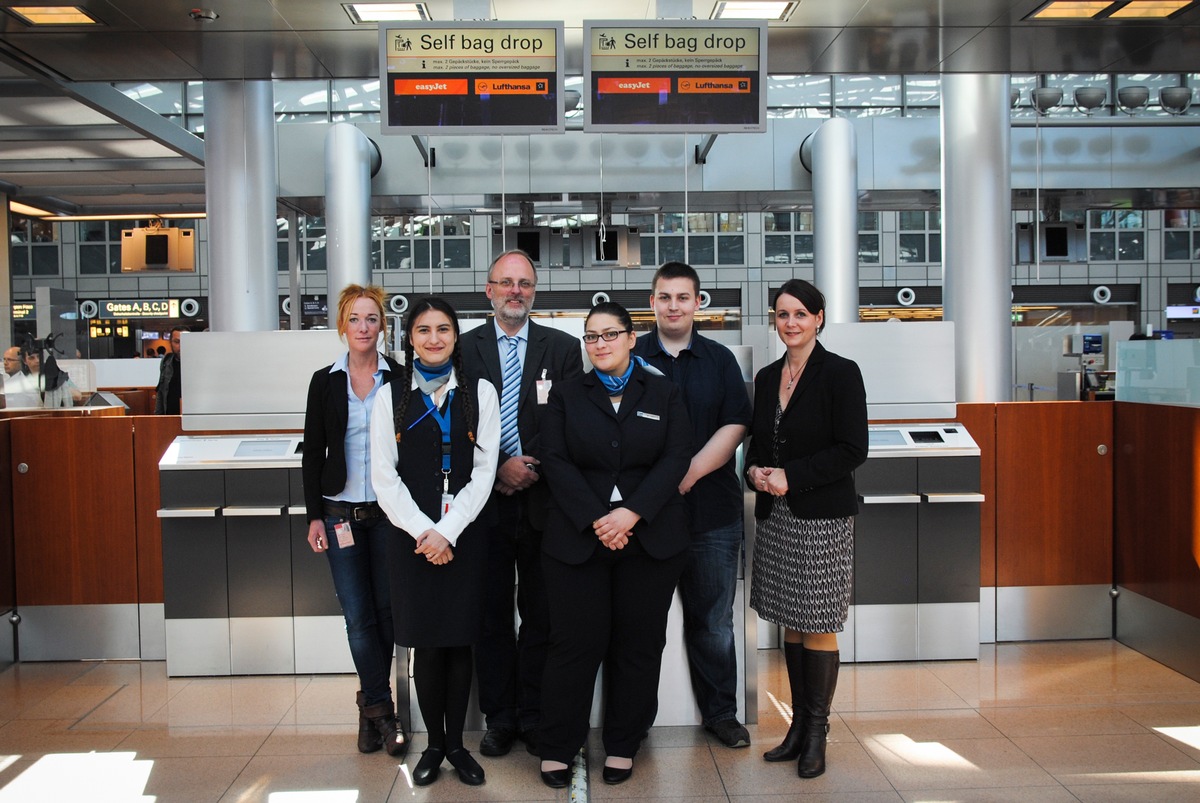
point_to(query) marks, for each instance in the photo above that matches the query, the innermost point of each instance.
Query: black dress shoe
(498, 741)
(556, 779)
(427, 769)
(616, 775)
(469, 771)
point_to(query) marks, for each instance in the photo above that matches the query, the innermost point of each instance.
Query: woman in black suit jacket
(344, 518)
(808, 436)
(615, 446)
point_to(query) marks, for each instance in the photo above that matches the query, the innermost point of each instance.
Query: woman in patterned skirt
(808, 436)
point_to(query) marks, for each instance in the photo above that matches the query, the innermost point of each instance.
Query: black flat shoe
(616, 775)
(428, 768)
(469, 771)
(556, 779)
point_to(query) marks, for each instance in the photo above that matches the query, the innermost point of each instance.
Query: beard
(512, 316)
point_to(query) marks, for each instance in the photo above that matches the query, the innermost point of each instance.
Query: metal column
(831, 155)
(351, 159)
(976, 224)
(240, 185)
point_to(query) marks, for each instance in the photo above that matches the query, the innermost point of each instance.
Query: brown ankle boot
(368, 737)
(388, 729)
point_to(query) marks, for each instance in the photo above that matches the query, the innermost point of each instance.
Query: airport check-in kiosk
(243, 591)
(916, 550)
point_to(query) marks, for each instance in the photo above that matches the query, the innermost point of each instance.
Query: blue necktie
(510, 439)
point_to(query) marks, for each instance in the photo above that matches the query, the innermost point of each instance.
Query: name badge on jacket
(651, 416)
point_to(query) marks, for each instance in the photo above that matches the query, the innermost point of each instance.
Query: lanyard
(443, 421)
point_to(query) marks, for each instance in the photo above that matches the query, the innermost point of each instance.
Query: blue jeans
(707, 590)
(360, 579)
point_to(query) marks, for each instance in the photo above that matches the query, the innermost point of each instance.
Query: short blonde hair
(353, 292)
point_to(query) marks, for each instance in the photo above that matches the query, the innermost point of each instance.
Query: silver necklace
(792, 376)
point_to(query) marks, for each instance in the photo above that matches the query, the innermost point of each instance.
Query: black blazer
(324, 460)
(822, 435)
(644, 449)
(549, 351)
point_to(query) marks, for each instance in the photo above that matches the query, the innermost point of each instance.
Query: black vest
(420, 452)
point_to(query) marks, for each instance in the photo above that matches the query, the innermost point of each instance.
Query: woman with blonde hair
(344, 518)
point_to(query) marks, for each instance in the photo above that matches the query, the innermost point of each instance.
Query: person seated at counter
(344, 518)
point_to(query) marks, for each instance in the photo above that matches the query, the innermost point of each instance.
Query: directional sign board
(693, 77)
(471, 77)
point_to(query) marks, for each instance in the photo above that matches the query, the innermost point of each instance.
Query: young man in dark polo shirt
(719, 407)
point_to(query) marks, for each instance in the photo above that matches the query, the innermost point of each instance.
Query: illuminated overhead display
(679, 76)
(471, 77)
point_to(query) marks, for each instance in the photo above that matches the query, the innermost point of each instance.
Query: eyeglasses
(592, 337)
(508, 284)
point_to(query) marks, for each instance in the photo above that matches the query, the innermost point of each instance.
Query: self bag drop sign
(678, 76)
(471, 78)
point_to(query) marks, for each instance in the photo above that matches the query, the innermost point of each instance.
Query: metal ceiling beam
(66, 133)
(112, 103)
(16, 167)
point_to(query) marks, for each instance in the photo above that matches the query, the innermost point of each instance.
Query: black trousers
(612, 609)
(509, 663)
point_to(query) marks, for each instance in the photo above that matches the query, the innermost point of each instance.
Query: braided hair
(465, 394)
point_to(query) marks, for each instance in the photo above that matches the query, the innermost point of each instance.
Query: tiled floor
(1063, 721)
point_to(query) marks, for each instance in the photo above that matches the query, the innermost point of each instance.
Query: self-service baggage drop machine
(916, 545)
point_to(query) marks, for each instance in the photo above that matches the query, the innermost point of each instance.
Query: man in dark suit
(522, 359)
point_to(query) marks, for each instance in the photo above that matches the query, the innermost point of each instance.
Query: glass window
(868, 221)
(1177, 245)
(730, 221)
(700, 221)
(804, 249)
(648, 257)
(18, 260)
(304, 96)
(161, 97)
(799, 90)
(868, 249)
(804, 221)
(912, 247)
(777, 249)
(670, 223)
(194, 95)
(922, 91)
(731, 250)
(912, 221)
(45, 260)
(359, 95)
(1131, 246)
(425, 251)
(670, 249)
(456, 253)
(866, 90)
(701, 251)
(777, 221)
(397, 255)
(1102, 246)
(93, 259)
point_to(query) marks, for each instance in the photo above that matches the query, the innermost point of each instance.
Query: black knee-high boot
(789, 749)
(820, 681)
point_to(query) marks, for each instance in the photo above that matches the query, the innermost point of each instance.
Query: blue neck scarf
(430, 379)
(615, 385)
